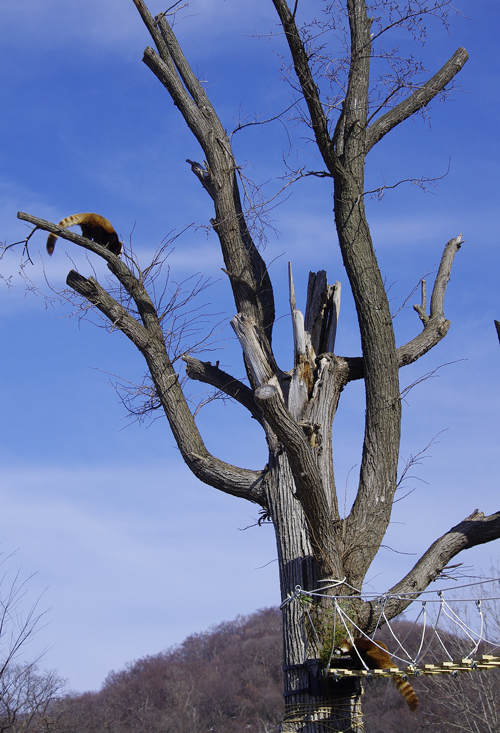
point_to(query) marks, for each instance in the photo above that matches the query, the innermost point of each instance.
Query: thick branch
(443, 276)
(435, 325)
(231, 479)
(167, 74)
(309, 89)
(367, 522)
(223, 476)
(204, 371)
(149, 340)
(473, 530)
(420, 98)
(306, 474)
(119, 317)
(210, 470)
(300, 452)
(254, 344)
(245, 267)
(140, 296)
(190, 80)
(151, 25)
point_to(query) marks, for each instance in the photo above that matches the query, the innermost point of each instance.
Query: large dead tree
(296, 408)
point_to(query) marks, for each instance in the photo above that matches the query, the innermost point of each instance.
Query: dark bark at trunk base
(324, 714)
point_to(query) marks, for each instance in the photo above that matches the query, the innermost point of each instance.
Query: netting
(447, 635)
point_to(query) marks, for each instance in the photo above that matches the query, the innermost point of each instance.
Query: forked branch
(435, 324)
(148, 338)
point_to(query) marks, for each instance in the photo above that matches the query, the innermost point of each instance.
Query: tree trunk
(309, 699)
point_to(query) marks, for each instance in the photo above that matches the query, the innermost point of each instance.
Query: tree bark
(296, 408)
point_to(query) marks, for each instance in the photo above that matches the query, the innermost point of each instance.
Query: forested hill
(228, 680)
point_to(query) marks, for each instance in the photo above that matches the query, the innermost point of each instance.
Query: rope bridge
(486, 661)
(427, 634)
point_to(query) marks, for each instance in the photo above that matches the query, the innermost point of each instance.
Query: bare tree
(346, 114)
(25, 693)
(467, 702)
(26, 696)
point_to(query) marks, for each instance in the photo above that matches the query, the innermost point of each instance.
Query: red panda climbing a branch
(376, 658)
(93, 227)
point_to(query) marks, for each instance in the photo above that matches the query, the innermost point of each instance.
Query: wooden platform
(486, 661)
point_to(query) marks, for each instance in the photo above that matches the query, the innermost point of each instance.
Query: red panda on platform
(376, 658)
(93, 227)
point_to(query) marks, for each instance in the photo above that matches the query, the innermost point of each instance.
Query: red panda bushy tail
(376, 656)
(94, 226)
(407, 692)
(68, 222)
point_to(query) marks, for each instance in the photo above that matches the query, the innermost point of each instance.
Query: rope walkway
(486, 661)
(470, 634)
(441, 630)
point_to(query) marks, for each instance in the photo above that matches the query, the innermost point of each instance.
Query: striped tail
(68, 222)
(408, 693)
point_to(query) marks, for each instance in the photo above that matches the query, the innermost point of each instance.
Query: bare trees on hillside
(25, 692)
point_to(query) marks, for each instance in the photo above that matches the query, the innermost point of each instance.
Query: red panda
(93, 227)
(376, 658)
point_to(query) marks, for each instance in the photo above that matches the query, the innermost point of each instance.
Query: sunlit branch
(420, 98)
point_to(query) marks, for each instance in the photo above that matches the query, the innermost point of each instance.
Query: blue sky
(131, 552)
